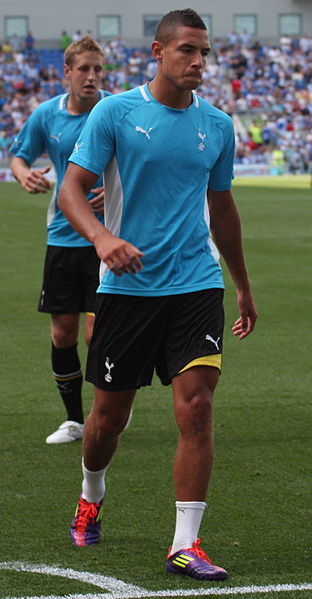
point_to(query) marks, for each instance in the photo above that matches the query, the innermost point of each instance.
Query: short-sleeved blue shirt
(158, 163)
(52, 129)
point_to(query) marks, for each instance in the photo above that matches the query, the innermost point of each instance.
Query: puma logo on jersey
(214, 341)
(140, 130)
(57, 137)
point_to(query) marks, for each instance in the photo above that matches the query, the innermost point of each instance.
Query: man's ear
(66, 69)
(157, 50)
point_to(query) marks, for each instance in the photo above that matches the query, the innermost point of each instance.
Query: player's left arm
(225, 226)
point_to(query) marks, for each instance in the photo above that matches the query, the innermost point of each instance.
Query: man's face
(183, 59)
(85, 75)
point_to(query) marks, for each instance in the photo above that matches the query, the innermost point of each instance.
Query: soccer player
(160, 300)
(71, 271)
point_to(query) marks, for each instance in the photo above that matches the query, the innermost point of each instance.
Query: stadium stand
(266, 88)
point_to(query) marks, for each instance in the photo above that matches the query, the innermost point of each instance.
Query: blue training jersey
(158, 163)
(52, 129)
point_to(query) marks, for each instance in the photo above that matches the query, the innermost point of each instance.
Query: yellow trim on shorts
(90, 314)
(213, 360)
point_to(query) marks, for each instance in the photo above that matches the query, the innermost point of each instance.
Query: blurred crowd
(266, 88)
(269, 88)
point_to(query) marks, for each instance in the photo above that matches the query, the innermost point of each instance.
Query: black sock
(68, 377)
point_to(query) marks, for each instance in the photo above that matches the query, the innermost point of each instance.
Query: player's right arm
(32, 180)
(26, 148)
(119, 255)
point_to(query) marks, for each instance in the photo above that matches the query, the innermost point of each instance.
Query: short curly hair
(187, 17)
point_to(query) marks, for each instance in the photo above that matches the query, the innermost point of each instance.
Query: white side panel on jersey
(113, 204)
(213, 247)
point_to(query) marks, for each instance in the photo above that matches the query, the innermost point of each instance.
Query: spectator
(278, 160)
(285, 44)
(232, 38)
(15, 42)
(245, 37)
(305, 44)
(236, 88)
(255, 134)
(77, 36)
(135, 62)
(7, 50)
(29, 42)
(65, 40)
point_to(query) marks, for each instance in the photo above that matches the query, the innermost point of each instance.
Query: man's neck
(170, 96)
(78, 105)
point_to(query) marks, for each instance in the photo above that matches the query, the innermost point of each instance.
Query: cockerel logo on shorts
(108, 377)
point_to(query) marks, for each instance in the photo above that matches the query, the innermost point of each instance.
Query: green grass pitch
(258, 521)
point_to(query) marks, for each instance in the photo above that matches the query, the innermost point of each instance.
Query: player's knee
(201, 408)
(63, 337)
(110, 426)
(195, 415)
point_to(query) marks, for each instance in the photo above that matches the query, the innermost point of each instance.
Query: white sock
(93, 484)
(188, 518)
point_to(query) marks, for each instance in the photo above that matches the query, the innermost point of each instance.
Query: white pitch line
(117, 589)
(252, 590)
(223, 592)
(107, 583)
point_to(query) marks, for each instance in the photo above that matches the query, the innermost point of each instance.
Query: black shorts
(70, 280)
(133, 336)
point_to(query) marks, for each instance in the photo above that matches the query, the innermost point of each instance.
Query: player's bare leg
(109, 416)
(64, 329)
(107, 419)
(193, 406)
(88, 327)
(193, 403)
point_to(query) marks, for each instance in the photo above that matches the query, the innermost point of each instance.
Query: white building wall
(47, 18)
